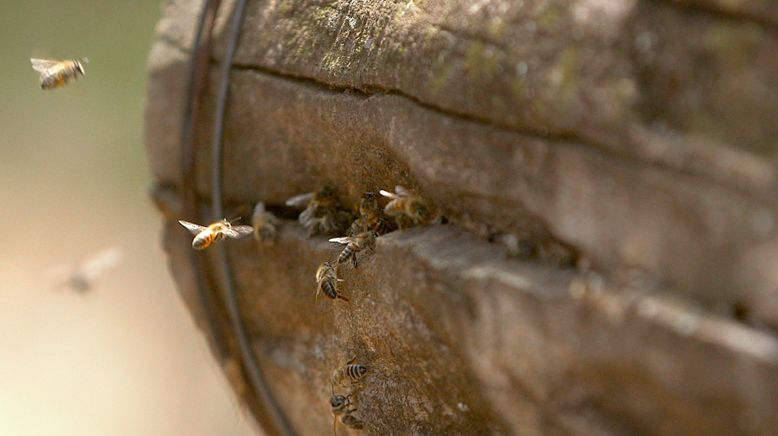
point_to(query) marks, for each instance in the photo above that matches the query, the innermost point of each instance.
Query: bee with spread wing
(207, 236)
(57, 73)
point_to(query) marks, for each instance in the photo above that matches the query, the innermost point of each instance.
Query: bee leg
(354, 260)
(343, 298)
(316, 298)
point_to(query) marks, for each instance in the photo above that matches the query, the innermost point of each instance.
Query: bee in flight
(57, 73)
(265, 224)
(408, 209)
(355, 244)
(82, 276)
(206, 236)
(327, 281)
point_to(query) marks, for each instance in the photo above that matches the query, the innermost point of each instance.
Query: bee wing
(42, 65)
(100, 262)
(192, 227)
(58, 275)
(343, 240)
(238, 231)
(402, 191)
(300, 200)
(259, 209)
(388, 194)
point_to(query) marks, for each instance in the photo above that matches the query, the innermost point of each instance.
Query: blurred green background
(126, 358)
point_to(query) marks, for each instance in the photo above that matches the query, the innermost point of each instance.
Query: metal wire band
(276, 421)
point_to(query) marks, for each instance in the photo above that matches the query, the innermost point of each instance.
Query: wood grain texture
(633, 136)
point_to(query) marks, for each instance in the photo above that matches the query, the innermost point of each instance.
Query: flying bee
(321, 213)
(206, 236)
(350, 373)
(354, 244)
(371, 217)
(265, 224)
(57, 73)
(406, 208)
(327, 281)
(81, 277)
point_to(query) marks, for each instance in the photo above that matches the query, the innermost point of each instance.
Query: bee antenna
(234, 220)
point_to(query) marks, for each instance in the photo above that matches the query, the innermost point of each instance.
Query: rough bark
(632, 138)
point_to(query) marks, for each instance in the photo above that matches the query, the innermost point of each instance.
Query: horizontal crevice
(720, 13)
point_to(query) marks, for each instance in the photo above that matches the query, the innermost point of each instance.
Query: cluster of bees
(342, 405)
(321, 213)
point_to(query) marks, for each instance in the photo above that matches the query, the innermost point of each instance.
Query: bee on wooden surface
(354, 244)
(206, 236)
(327, 281)
(265, 224)
(351, 373)
(371, 217)
(81, 277)
(406, 208)
(339, 404)
(351, 421)
(57, 73)
(322, 213)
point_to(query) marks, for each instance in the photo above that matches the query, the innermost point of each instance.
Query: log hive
(607, 173)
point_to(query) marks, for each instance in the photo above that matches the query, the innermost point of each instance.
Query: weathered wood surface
(635, 136)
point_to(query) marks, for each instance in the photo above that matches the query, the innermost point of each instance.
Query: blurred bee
(265, 224)
(81, 277)
(321, 213)
(55, 73)
(371, 217)
(327, 281)
(406, 208)
(351, 373)
(352, 421)
(339, 405)
(354, 244)
(206, 236)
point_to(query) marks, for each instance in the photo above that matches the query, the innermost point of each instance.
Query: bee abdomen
(346, 254)
(202, 241)
(355, 371)
(328, 287)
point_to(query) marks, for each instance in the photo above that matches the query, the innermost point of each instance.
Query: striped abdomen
(204, 239)
(329, 289)
(355, 371)
(59, 77)
(347, 252)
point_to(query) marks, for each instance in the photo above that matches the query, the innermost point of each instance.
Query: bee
(339, 404)
(81, 277)
(57, 73)
(327, 281)
(371, 217)
(406, 208)
(350, 373)
(322, 213)
(352, 421)
(206, 236)
(354, 244)
(265, 224)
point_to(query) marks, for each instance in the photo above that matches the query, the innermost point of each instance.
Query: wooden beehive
(607, 173)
